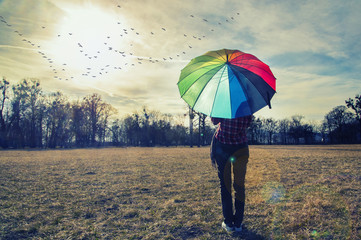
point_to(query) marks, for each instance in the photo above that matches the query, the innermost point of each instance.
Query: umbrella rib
(220, 56)
(267, 102)
(197, 69)
(254, 67)
(248, 64)
(267, 73)
(195, 82)
(234, 52)
(215, 95)
(240, 83)
(205, 85)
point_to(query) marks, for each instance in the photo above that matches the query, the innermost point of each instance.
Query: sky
(131, 52)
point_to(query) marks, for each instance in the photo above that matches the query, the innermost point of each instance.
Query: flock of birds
(97, 69)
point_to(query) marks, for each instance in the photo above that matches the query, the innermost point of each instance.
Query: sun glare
(88, 45)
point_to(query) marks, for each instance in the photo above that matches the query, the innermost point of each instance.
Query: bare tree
(284, 129)
(116, 131)
(25, 112)
(337, 120)
(34, 96)
(296, 130)
(98, 113)
(270, 126)
(4, 124)
(58, 119)
(255, 130)
(308, 133)
(79, 125)
(356, 106)
(132, 129)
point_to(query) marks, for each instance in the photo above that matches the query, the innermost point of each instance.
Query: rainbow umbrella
(227, 84)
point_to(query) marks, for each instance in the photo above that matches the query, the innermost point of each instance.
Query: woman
(230, 149)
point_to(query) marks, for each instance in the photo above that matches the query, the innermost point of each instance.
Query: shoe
(238, 229)
(226, 227)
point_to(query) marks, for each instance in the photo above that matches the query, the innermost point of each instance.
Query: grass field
(293, 192)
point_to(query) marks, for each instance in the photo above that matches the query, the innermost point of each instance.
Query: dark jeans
(227, 156)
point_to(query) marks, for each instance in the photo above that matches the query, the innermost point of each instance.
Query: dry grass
(293, 192)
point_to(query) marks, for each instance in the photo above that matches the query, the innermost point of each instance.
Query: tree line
(341, 125)
(29, 118)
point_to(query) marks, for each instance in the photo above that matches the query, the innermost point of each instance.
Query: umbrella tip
(269, 100)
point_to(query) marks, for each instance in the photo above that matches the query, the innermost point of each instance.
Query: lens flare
(273, 192)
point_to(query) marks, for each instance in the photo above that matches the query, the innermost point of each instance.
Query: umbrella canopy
(227, 84)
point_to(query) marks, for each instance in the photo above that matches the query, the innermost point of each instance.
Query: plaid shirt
(232, 131)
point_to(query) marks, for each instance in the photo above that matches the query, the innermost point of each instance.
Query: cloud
(313, 95)
(311, 46)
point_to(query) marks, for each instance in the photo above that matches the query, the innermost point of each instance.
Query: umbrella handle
(269, 100)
